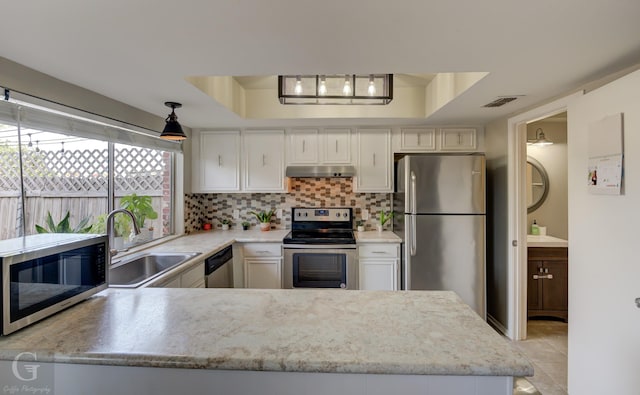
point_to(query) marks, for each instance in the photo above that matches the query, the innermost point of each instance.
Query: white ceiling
(140, 52)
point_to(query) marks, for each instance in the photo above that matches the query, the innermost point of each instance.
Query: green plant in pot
(245, 225)
(264, 217)
(140, 207)
(383, 218)
(226, 223)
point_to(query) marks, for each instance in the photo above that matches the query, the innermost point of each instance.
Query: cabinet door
(173, 282)
(264, 161)
(303, 147)
(374, 161)
(458, 139)
(534, 286)
(217, 165)
(378, 274)
(337, 146)
(555, 288)
(418, 139)
(262, 273)
(193, 278)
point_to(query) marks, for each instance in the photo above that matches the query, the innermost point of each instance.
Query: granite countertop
(415, 332)
(377, 237)
(545, 241)
(205, 243)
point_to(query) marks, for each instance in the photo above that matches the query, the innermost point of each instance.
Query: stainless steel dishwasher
(218, 269)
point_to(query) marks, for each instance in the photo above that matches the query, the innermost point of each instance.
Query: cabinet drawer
(262, 249)
(379, 251)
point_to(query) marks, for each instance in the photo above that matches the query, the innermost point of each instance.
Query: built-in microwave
(45, 273)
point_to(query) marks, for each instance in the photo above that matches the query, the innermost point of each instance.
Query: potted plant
(142, 209)
(121, 227)
(360, 225)
(245, 225)
(264, 217)
(383, 218)
(226, 223)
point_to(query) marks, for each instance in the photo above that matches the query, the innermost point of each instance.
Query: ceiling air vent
(501, 101)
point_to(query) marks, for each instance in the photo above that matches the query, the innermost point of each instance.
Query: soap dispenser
(535, 230)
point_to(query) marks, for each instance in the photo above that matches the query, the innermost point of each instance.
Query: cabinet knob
(638, 303)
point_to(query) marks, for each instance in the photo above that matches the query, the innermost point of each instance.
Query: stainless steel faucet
(110, 230)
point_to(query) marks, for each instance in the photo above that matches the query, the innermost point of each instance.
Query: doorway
(547, 241)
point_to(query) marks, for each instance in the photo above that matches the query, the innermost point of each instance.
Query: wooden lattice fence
(77, 181)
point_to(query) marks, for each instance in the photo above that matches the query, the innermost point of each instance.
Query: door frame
(517, 210)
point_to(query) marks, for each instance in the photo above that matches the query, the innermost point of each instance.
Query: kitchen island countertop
(319, 331)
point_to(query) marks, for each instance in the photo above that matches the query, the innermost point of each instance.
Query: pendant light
(335, 89)
(172, 129)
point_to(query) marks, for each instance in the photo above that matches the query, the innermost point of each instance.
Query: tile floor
(546, 348)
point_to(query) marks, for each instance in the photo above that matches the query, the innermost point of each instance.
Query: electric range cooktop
(321, 226)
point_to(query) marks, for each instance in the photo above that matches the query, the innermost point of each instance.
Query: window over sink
(56, 170)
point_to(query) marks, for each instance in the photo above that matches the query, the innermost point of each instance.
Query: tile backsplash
(304, 192)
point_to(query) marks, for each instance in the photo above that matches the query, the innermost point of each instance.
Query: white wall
(604, 264)
(553, 212)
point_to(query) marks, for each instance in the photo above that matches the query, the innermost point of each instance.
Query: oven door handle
(312, 247)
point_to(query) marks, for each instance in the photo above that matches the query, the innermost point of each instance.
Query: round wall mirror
(537, 184)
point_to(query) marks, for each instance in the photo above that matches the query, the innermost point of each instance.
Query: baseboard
(497, 325)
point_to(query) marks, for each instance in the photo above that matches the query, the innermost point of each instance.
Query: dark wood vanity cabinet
(547, 282)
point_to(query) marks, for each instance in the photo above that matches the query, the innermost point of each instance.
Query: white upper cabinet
(458, 139)
(374, 161)
(216, 161)
(317, 147)
(263, 161)
(418, 139)
(337, 146)
(303, 146)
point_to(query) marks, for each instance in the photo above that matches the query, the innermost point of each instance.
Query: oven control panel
(321, 214)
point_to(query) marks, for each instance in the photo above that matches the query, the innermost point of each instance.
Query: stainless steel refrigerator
(439, 212)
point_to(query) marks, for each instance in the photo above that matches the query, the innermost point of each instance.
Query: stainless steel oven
(320, 266)
(320, 250)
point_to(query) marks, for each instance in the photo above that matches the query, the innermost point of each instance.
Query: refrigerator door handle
(412, 235)
(413, 193)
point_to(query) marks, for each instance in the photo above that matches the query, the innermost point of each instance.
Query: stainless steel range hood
(320, 171)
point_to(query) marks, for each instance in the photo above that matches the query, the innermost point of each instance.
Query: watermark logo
(24, 375)
(31, 369)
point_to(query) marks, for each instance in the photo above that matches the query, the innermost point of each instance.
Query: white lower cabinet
(191, 278)
(262, 265)
(379, 266)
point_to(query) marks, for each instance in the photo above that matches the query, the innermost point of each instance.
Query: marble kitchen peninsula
(244, 341)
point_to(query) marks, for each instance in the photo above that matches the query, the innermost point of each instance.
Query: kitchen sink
(135, 270)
